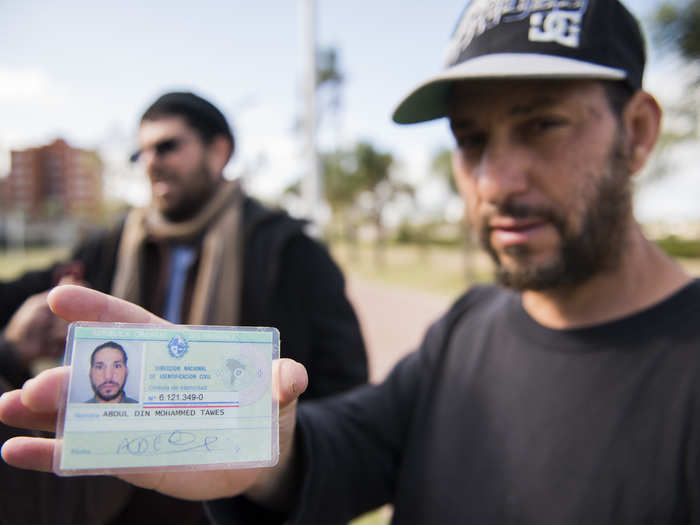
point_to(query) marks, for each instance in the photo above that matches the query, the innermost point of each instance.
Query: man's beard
(104, 397)
(193, 200)
(595, 248)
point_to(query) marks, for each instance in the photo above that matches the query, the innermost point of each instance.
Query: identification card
(141, 398)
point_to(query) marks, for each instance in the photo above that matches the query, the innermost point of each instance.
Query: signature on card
(171, 442)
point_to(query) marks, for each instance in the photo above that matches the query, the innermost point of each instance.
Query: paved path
(393, 320)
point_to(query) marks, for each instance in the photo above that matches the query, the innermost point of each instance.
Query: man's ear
(641, 119)
(219, 152)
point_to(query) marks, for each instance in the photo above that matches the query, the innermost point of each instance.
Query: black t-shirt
(532, 425)
(497, 419)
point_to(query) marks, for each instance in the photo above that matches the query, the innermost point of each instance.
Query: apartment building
(54, 182)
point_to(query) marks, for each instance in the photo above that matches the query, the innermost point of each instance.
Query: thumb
(292, 380)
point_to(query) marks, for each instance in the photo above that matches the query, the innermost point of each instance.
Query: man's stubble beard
(595, 248)
(191, 202)
(101, 396)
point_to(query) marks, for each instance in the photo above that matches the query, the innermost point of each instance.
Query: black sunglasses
(162, 147)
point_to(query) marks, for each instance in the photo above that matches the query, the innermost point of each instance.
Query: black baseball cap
(532, 39)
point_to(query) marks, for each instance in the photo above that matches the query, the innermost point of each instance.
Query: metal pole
(311, 184)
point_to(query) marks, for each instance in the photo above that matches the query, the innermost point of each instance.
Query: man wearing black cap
(566, 394)
(203, 252)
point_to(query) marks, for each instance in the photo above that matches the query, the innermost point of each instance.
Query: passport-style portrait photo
(106, 371)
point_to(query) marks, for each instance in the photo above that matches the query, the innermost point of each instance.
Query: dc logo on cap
(558, 22)
(561, 27)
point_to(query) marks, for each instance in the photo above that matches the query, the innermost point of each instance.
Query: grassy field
(691, 265)
(14, 263)
(381, 516)
(443, 270)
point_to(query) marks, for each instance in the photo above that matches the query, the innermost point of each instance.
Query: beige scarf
(218, 282)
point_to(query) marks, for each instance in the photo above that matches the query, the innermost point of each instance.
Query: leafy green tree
(329, 86)
(328, 67)
(378, 189)
(341, 187)
(676, 28)
(358, 186)
(677, 25)
(442, 167)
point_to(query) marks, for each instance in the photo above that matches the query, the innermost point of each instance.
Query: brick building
(54, 182)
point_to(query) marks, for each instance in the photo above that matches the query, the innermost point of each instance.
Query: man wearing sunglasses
(202, 252)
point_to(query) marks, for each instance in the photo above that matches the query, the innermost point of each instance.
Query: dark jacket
(289, 282)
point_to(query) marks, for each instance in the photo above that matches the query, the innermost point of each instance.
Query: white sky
(85, 70)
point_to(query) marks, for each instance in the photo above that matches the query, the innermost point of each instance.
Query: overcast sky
(85, 70)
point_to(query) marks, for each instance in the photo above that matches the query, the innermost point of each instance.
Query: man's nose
(503, 171)
(110, 374)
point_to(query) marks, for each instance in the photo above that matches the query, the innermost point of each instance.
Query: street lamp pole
(311, 183)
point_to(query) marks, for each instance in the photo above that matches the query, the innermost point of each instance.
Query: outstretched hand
(35, 407)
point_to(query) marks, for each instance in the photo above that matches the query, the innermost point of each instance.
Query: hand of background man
(34, 331)
(35, 407)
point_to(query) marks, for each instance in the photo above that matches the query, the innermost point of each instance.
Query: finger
(36, 404)
(37, 454)
(293, 380)
(43, 393)
(29, 453)
(15, 414)
(201, 485)
(76, 303)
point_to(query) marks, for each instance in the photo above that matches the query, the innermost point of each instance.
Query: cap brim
(429, 100)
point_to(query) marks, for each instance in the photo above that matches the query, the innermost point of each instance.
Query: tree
(358, 184)
(378, 189)
(442, 167)
(329, 86)
(678, 27)
(340, 188)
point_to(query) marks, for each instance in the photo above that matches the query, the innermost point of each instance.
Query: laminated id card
(144, 398)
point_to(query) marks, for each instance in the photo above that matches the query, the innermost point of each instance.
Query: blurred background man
(202, 252)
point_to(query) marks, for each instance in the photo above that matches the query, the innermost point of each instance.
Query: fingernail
(27, 382)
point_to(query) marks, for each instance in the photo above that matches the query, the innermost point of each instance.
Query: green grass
(15, 262)
(443, 270)
(677, 247)
(438, 269)
(381, 516)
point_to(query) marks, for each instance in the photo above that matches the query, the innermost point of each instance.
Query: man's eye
(543, 124)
